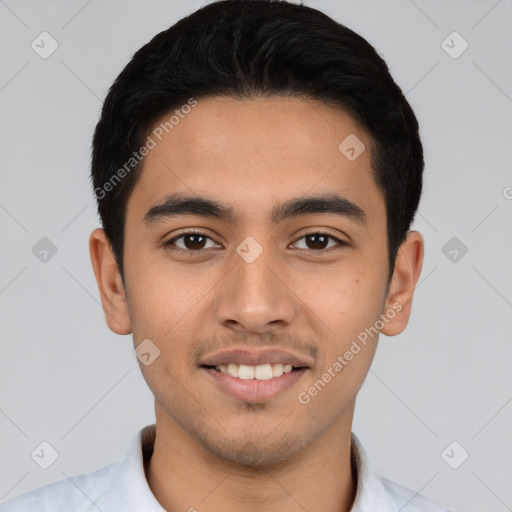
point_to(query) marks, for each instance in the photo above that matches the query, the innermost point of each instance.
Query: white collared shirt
(122, 487)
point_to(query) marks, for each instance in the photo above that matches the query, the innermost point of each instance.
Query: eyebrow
(180, 204)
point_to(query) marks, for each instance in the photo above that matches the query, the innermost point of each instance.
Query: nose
(255, 296)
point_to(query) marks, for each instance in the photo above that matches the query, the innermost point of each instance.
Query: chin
(255, 453)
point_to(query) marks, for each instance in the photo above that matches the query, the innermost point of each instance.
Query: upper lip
(256, 357)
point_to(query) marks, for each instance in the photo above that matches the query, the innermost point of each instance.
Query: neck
(184, 476)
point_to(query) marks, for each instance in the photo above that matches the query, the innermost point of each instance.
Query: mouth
(255, 376)
(249, 372)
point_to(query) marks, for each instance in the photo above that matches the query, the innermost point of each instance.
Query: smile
(253, 383)
(255, 375)
(260, 372)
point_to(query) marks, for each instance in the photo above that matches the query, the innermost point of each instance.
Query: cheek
(349, 304)
(161, 296)
(345, 301)
(348, 349)
(355, 303)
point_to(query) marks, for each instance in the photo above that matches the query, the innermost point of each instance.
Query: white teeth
(260, 372)
(233, 369)
(263, 372)
(245, 372)
(277, 370)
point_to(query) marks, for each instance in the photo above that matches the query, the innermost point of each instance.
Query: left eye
(317, 241)
(195, 242)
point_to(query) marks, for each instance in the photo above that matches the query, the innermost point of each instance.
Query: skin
(213, 451)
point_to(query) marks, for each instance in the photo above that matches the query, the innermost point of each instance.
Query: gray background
(66, 379)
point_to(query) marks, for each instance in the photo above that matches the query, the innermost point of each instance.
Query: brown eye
(194, 242)
(190, 242)
(319, 241)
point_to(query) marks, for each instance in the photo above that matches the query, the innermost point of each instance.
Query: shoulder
(378, 494)
(120, 486)
(80, 493)
(407, 500)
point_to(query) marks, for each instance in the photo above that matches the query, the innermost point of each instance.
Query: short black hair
(257, 48)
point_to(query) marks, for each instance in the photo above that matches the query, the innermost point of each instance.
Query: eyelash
(170, 244)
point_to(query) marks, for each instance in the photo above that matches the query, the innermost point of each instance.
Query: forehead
(254, 154)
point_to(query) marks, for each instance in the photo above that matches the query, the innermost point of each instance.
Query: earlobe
(408, 264)
(110, 285)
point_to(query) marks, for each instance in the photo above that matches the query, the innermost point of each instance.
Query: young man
(257, 171)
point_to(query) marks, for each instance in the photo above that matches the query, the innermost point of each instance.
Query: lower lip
(253, 390)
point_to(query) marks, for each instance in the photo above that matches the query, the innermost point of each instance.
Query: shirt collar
(370, 492)
(135, 494)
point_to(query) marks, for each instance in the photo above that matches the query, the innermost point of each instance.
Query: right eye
(191, 241)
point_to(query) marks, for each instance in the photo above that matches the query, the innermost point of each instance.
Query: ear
(110, 284)
(408, 264)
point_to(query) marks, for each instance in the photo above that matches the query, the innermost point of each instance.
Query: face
(282, 262)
